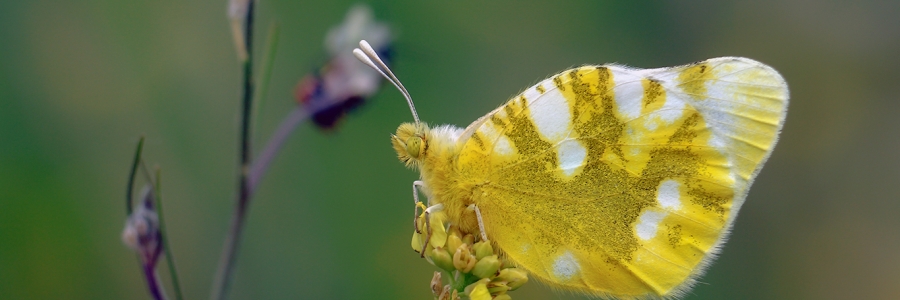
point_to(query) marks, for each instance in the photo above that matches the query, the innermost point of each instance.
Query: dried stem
(251, 172)
(156, 289)
(129, 191)
(287, 126)
(222, 280)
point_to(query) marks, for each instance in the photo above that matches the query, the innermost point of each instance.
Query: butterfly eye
(415, 146)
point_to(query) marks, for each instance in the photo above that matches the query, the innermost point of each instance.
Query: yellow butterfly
(614, 181)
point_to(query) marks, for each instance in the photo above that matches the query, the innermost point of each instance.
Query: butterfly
(610, 180)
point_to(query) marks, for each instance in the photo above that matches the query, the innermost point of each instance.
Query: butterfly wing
(624, 182)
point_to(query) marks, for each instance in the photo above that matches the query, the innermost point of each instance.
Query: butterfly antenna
(367, 55)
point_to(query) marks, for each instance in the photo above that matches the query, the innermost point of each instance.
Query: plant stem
(153, 282)
(134, 166)
(222, 280)
(287, 126)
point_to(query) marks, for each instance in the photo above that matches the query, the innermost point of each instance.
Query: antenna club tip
(360, 55)
(367, 55)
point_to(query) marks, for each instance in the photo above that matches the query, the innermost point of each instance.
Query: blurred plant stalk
(340, 82)
(145, 230)
(239, 10)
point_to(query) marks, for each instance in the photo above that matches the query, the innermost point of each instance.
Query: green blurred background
(81, 80)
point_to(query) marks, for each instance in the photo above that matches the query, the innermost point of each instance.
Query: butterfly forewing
(623, 181)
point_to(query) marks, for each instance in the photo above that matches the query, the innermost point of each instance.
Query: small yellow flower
(438, 232)
(463, 259)
(476, 269)
(417, 242)
(453, 241)
(478, 290)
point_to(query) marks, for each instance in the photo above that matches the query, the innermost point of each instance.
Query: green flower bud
(469, 239)
(478, 290)
(483, 249)
(442, 259)
(486, 267)
(497, 287)
(514, 277)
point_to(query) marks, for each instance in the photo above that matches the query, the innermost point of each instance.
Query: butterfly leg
(427, 212)
(480, 221)
(416, 186)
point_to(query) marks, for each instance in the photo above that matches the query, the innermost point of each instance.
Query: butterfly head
(411, 140)
(411, 143)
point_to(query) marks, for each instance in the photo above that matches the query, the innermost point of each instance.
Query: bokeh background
(81, 80)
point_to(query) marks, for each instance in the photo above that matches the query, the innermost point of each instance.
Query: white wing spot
(628, 92)
(551, 115)
(719, 143)
(571, 155)
(672, 110)
(648, 223)
(668, 195)
(489, 132)
(503, 146)
(501, 143)
(565, 266)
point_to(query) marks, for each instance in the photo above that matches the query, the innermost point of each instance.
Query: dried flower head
(141, 232)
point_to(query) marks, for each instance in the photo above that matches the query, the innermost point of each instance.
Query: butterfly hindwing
(622, 181)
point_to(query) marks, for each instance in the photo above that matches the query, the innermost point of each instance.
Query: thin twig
(156, 289)
(134, 166)
(222, 280)
(251, 174)
(287, 126)
(147, 263)
(263, 161)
